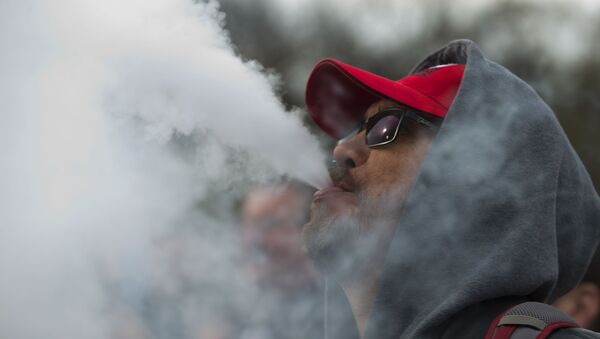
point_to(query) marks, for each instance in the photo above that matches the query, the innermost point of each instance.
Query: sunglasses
(382, 128)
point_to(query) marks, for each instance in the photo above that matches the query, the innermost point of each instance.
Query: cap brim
(337, 96)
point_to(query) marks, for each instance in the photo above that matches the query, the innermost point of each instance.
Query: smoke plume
(117, 119)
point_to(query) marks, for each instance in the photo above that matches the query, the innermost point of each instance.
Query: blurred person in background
(458, 206)
(583, 302)
(289, 302)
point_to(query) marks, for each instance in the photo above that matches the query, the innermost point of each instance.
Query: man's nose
(351, 153)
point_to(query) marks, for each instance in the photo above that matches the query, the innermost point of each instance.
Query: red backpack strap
(528, 321)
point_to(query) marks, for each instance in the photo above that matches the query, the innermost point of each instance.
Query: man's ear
(587, 304)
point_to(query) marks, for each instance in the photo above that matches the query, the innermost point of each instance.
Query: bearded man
(458, 204)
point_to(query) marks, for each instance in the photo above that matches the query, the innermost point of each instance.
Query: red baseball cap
(338, 94)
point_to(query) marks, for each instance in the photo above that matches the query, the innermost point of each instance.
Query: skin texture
(272, 219)
(350, 229)
(582, 304)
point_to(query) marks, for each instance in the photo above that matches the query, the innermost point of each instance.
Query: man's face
(350, 228)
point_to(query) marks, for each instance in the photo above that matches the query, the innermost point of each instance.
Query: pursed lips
(338, 187)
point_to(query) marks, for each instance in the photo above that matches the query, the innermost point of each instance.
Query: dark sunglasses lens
(383, 130)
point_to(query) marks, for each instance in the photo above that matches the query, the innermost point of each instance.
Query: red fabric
(492, 328)
(504, 332)
(338, 94)
(553, 327)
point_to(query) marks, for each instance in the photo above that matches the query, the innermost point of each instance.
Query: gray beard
(343, 247)
(340, 247)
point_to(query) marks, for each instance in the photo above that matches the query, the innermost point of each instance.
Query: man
(289, 302)
(456, 197)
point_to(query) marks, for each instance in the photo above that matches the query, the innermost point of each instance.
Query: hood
(502, 212)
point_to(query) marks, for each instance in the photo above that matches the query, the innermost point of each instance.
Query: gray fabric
(522, 320)
(502, 212)
(545, 313)
(574, 333)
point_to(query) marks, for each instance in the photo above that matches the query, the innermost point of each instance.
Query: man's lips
(327, 191)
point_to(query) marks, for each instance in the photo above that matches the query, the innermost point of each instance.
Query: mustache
(340, 176)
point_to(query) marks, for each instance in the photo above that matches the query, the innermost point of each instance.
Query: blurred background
(553, 45)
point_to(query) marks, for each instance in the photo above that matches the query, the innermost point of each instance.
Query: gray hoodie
(502, 212)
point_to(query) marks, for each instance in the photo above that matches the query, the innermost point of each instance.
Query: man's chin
(326, 241)
(333, 237)
(347, 234)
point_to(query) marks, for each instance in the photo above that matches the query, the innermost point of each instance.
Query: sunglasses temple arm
(424, 122)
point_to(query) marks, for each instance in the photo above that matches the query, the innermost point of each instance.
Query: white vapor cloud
(116, 118)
